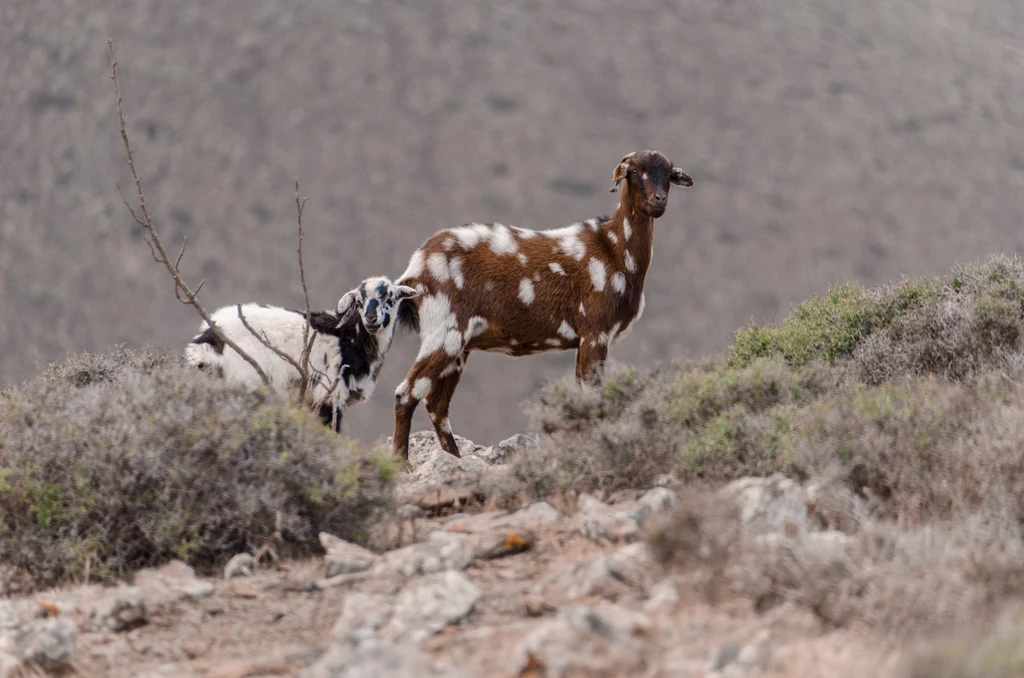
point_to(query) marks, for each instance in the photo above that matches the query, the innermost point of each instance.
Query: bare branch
(177, 262)
(156, 247)
(307, 340)
(266, 342)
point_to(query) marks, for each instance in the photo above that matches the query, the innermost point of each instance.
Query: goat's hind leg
(415, 387)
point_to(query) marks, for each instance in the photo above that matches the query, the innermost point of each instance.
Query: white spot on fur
(583, 311)
(536, 277)
(438, 265)
(526, 291)
(553, 342)
(593, 224)
(446, 426)
(556, 268)
(593, 342)
(566, 331)
(415, 267)
(644, 176)
(523, 233)
(489, 285)
(568, 238)
(475, 327)
(630, 262)
(597, 274)
(626, 228)
(614, 238)
(619, 282)
(502, 241)
(403, 391)
(469, 236)
(420, 388)
(436, 320)
(522, 259)
(420, 288)
(453, 343)
(455, 267)
(449, 243)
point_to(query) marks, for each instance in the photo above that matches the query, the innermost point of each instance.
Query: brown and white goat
(491, 287)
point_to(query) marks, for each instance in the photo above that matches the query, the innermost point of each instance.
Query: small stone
(376, 657)
(345, 557)
(240, 565)
(503, 543)
(507, 449)
(122, 609)
(663, 595)
(537, 606)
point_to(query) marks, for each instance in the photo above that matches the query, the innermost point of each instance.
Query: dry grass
(127, 460)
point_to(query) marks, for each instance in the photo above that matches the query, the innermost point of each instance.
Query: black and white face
(377, 300)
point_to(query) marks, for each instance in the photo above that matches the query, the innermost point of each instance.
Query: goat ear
(405, 292)
(346, 302)
(620, 173)
(680, 178)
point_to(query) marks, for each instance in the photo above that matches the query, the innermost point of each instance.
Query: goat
(349, 346)
(492, 287)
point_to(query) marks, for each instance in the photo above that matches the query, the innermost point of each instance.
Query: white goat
(349, 346)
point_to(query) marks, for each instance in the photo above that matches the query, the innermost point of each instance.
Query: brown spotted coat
(492, 287)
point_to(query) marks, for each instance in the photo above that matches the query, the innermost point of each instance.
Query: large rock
(538, 517)
(375, 658)
(240, 565)
(440, 551)
(507, 449)
(602, 640)
(47, 643)
(599, 521)
(421, 609)
(432, 603)
(771, 504)
(120, 609)
(170, 583)
(626, 572)
(345, 557)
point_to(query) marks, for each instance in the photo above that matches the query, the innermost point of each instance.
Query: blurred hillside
(828, 140)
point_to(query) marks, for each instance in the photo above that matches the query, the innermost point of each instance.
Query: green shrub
(128, 460)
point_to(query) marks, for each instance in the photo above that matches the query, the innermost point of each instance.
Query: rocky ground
(455, 589)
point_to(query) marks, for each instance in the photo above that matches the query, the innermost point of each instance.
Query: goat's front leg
(590, 358)
(439, 400)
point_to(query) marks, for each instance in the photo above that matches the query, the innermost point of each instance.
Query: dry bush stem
(155, 246)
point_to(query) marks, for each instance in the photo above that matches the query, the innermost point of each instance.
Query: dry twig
(156, 248)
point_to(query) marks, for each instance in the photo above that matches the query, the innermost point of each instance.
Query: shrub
(127, 460)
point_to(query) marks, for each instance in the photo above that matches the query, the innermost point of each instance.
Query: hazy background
(829, 140)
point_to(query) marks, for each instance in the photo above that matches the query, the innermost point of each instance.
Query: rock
(596, 520)
(167, 671)
(442, 466)
(603, 640)
(375, 657)
(663, 595)
(47, 643)
(362, 615)
(345, 557)
(502, 543)
(121, 609)
(171, 582)
(626, 572)
(536, 606)
(657, 501)
(508, 449)
(420, 610)
(432, 603)
(241, 565)
(440, 551)
(742, 659)
(423, 445)
(537, 517)
(774, 503)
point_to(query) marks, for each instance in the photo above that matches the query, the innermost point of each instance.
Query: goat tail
(409, 315)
